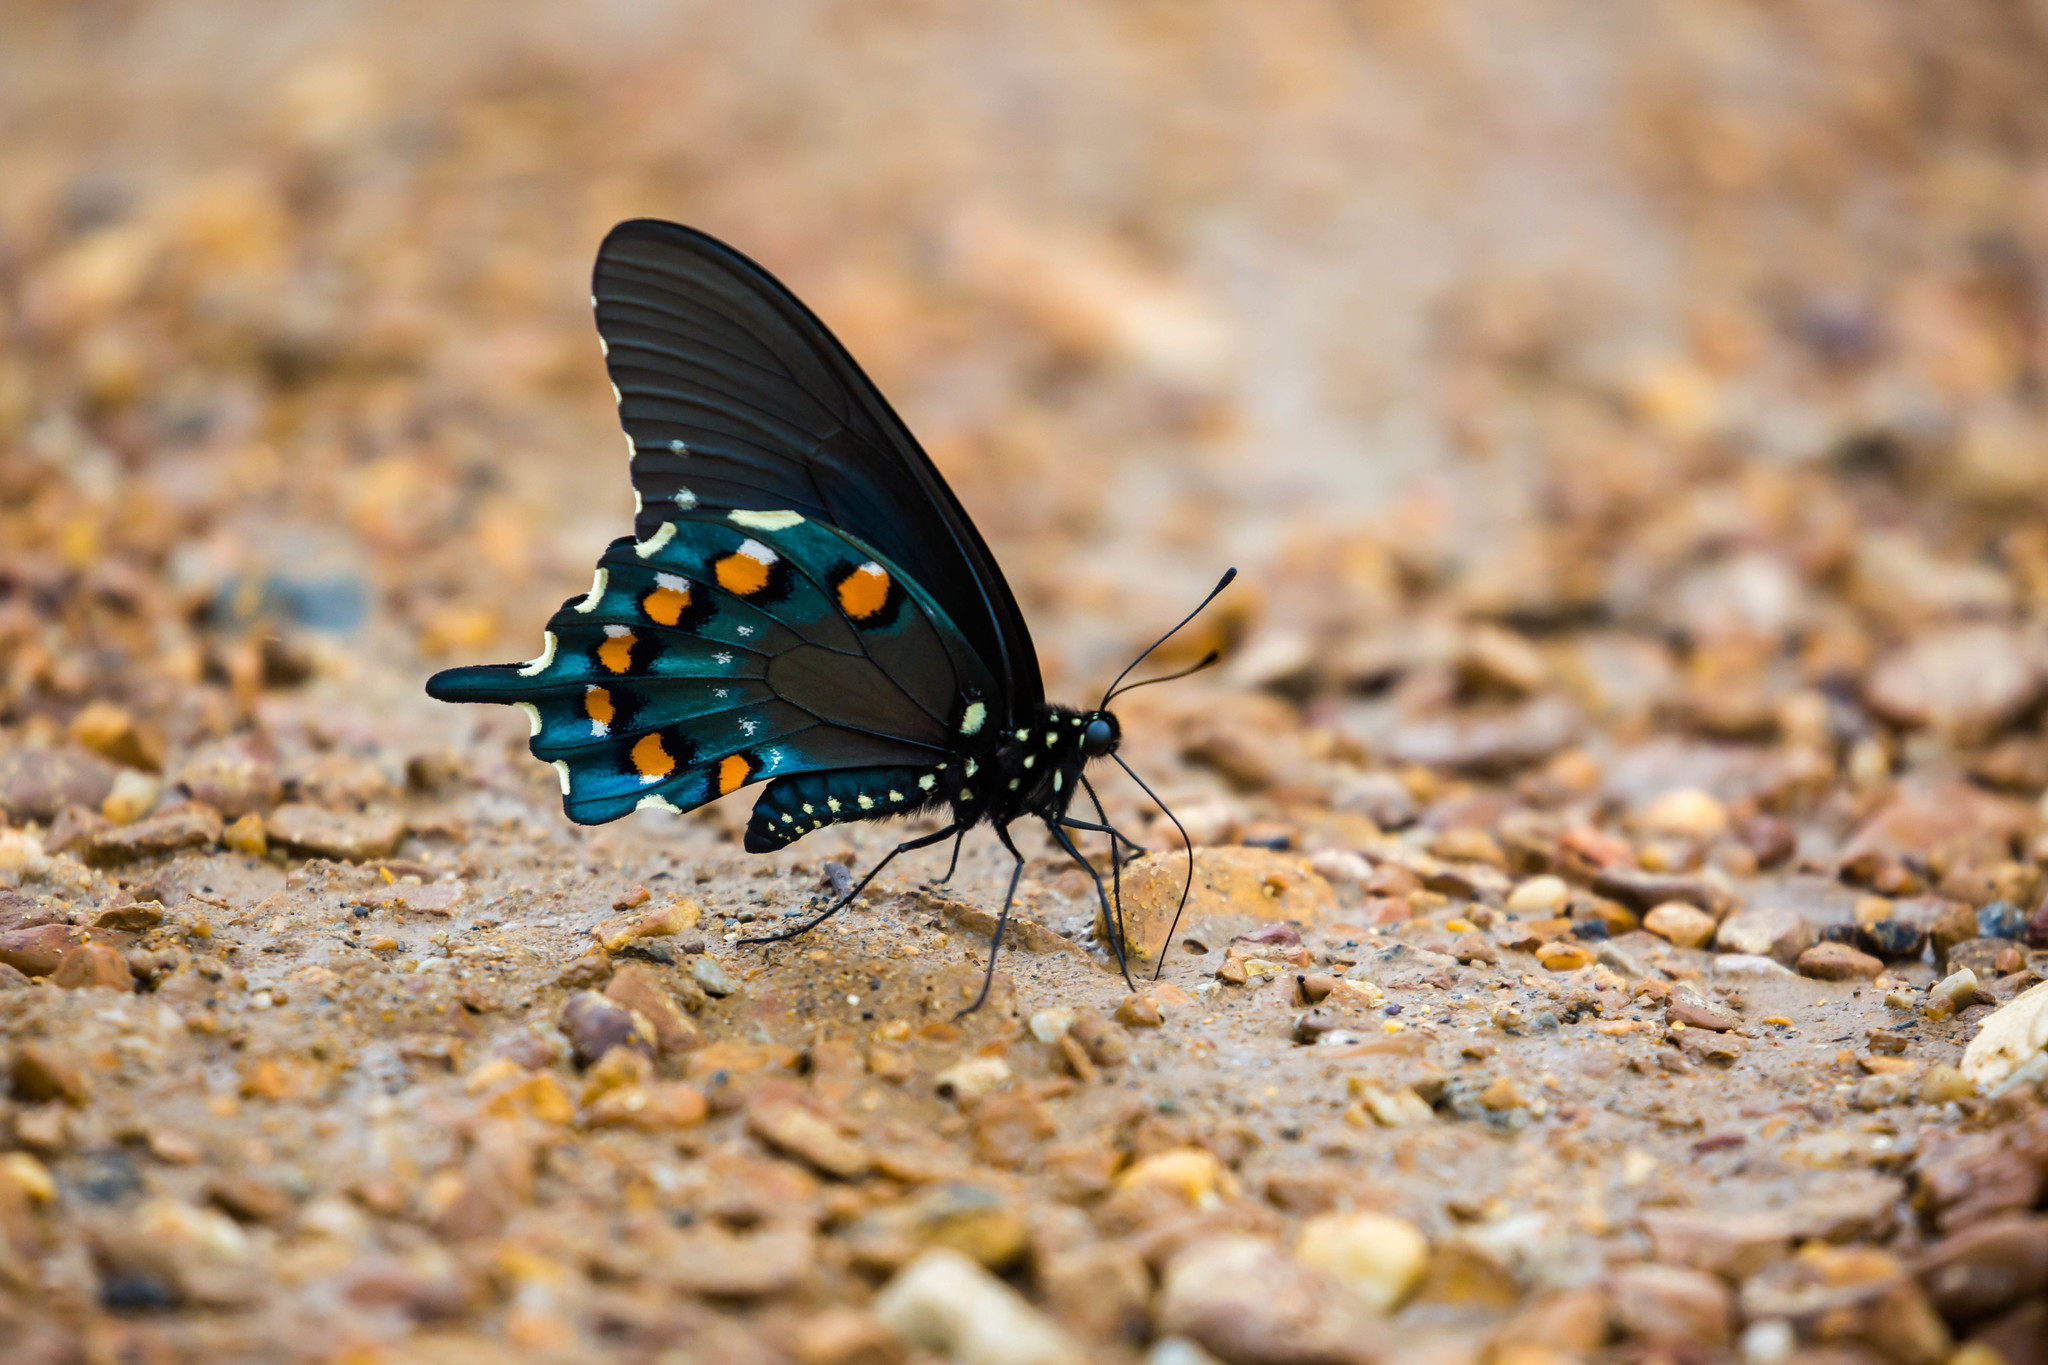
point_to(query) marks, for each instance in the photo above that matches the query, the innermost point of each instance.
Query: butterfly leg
(996, 945)
(1114, 918)
(953, 866)
(925, 841)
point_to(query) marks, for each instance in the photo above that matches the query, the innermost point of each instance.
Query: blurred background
(1681, 360)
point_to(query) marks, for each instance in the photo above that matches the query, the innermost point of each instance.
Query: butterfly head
(1100, 735)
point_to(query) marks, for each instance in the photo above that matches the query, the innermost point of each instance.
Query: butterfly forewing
(734, 396)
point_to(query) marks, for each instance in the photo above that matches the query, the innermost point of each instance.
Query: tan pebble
(1502, 1095)
(29, 1176)
(795, 1130)
(656, 1106)
(2013, 1036)
(1838, 962)
(111, 731)
(1395, 1109)
(1468, 846)
(1375, 1255)
(135, 795)
(1048, 1026)
(640, 988)
(540, 1096)
(43, 1072)
(93, 966)
(172, 1147)
(971, 1079)
(1541, 896)
(845, 1336)
(1958, 988)
(1139, 1011)
(889, 1063)
(1470, 948)
(1559, 956)
(1687, 813)
(677, 917)
(1682, 925)
(1944, 1083)
(1190, 1172)
(946, 1304)
(1313, 987)
(134, 918)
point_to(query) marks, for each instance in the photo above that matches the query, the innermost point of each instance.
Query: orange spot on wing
(664, 606)
(597, 704)
(741, 574)
(863, 592)
(732, 773)
(650, 760)
(616, 653)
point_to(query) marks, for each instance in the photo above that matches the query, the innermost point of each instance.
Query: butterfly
(803, 603)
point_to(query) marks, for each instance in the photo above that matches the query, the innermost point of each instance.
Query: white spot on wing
(658, 802)
(684, 499)
(596, 593)
(663, 534)
(1056, 781)
(722, 657)
(547, 656)
(617, 397)
(632, 451)
(672, 582)
(927, 782)
(764, 521)
(614, 632)
(866, 802)
(756, 551)
(971, 719)
(676, 446)
(562, 772)
(532, 716)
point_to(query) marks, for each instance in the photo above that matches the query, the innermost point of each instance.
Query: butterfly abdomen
(792, 807)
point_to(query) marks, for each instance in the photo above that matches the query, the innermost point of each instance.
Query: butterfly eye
(1099, 738)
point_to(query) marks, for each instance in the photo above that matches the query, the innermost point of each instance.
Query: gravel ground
(1619, 810)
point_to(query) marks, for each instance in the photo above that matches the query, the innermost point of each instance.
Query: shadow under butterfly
(803, 601)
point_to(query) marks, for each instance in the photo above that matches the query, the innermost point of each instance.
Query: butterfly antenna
(1211, 657)
(1221, 584)
(1189, 844)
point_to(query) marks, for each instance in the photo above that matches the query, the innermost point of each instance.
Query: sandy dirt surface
(1619, 808)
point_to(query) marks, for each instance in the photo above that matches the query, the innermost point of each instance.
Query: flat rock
(1968, 681)
(790, 1128)
(1982, 1270)
(1252, 1305)
(1838, 962)
(191, 825)
(1959, 821)
(36, 950)
(235, 776)
(37, 784)
(1492, 744)
(1775, 932)
(1231, 882)
(1644, 891)
(946, 1304)
(2013, 1034)
(1672, 1305)
(345, 836)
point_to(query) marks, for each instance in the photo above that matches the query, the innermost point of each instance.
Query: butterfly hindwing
(735, 396)
(727, 649)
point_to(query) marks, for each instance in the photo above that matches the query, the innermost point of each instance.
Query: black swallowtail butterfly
(803, 601)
